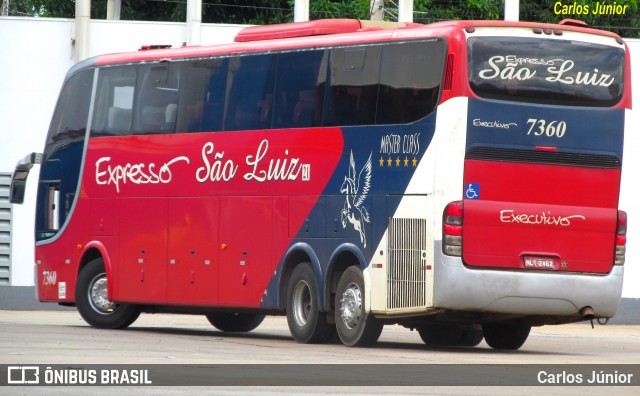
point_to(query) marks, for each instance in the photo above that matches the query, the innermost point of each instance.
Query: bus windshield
(546, 71)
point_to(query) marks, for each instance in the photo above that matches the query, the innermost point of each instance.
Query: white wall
(37, 52)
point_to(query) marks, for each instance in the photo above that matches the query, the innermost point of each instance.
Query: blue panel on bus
(499, 124)
(375, 169)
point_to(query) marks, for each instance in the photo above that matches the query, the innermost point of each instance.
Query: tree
(278, 11)
(321, 9)
(625, 25)
(247, 11)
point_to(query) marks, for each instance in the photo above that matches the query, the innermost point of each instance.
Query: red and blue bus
(459, 178)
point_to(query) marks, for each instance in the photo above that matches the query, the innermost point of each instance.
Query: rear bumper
(457, 287)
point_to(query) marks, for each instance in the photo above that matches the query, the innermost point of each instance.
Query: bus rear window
(559, 72)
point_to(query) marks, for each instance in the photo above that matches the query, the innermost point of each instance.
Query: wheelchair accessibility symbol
(472, 191)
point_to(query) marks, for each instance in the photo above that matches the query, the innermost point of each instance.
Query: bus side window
(353, 91)
(250, 92)
(202, 93)
(156, 104)
(118, 119)
(113, 106)
(300, 81)
(410, 79)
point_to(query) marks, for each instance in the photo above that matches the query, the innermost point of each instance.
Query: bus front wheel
(355, 327)
(234, 322)
(307, 324)
(92, 301)
(509, 335)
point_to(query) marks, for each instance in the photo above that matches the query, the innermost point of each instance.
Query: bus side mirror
(20, 174)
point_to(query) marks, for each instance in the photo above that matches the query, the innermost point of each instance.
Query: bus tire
(440, 335)
(354, 326)
(508, 335)
(470, 338)
(92, 302)
(306, 323)
(234, 322)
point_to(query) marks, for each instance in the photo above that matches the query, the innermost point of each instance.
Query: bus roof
(316, 28)
(328, 32)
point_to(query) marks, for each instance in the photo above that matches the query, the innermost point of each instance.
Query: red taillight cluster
(621, 237)
(452, 229)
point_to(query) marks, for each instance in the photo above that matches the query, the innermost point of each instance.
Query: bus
(459, 178)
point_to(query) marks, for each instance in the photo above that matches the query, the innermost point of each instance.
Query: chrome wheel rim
(301, 303)
(351, 306)
(98, 295)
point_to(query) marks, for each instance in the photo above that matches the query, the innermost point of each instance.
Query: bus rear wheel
(446, 335)
(470, 338)
(355, 327)
(93, 303)
(234, 322)
(440, 335)
(508, 335)
(306, 323)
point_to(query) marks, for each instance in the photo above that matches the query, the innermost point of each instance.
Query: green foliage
(548, 11)
(280, 11)
(626, 25)
(246, 11)
(321, 9)
(428, 11)
(42, 8)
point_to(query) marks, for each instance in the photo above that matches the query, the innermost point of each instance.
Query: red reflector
(546, 148)
(621, 240)
(377, 266)
(452, 230)
(448, 74)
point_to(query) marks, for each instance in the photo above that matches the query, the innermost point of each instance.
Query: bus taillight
(452, 229)
(621, 237)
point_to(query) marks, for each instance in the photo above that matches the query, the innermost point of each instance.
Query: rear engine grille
(407, 255)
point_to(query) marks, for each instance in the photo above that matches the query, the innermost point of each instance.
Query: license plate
(541, 263)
